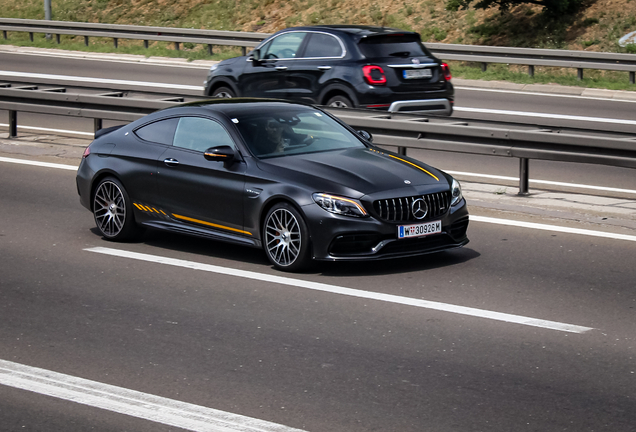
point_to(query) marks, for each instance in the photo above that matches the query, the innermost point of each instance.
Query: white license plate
(419, 230)
(417, 73)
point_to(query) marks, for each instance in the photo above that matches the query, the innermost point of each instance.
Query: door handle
(171, 162)
(324, 67)
(281, 68)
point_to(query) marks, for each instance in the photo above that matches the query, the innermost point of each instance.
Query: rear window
(393, 45)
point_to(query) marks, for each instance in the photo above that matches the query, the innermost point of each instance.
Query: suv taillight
(374, 75)
(446, 71)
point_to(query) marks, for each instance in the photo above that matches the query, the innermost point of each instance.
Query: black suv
(340, 66)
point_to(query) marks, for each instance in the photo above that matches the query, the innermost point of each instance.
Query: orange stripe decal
(185, 218)
(416, 166)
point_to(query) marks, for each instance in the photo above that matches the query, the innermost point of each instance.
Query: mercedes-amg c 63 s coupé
(286, 177)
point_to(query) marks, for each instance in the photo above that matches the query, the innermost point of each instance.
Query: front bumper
(340, 238)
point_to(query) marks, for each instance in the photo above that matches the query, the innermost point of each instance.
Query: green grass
(105, 45)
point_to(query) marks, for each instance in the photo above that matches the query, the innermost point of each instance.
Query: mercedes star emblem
(419, 208)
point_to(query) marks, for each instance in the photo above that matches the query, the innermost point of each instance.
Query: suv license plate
(417, 73)
(419, 230)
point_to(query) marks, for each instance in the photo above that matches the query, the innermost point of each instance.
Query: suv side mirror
(222, 153)
(366, 135)
(256, 55)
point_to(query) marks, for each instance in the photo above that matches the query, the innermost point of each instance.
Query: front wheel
(223, 92)
(113, 211)
(286, 238)
(340, 101)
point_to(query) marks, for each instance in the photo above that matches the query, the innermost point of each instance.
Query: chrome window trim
(342, 46)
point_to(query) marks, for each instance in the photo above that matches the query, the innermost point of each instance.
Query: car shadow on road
(255, 256)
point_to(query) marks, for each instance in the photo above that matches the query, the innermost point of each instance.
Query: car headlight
(214, 67)
(339, 205)
(456, 192)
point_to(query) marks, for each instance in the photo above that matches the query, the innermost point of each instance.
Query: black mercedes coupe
(286, 177)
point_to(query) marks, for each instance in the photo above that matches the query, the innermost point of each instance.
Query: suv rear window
(393, 45)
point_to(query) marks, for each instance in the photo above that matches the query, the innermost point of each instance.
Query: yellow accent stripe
(416, 166)
(185, 218)
(138, 206)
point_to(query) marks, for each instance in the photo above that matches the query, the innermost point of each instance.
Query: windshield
(292, 132)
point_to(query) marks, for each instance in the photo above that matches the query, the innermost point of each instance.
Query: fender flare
(338, 88)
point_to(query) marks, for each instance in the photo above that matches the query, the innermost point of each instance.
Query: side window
(197, 133)
(161, 131)
(323, 45)
(284, 46)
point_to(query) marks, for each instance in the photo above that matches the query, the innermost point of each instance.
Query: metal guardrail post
(524, 176)
(13, 124)
(579, 74)
(531, 70)
(632, 77)
(97, 124)
(401, 151)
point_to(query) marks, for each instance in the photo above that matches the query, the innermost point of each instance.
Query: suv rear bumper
(431, 106)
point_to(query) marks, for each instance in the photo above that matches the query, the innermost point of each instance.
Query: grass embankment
(596, 28)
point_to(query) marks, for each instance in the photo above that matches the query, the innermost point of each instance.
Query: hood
(358, 172)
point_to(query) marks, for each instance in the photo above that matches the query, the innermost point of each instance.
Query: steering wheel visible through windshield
(290, 132)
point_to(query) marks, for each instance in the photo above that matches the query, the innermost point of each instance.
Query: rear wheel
(340, 101)
(223, 92)
(286, 238)
(112, 210)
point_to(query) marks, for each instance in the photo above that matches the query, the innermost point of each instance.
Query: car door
(321, 54)
(269, 76)
(196, 191)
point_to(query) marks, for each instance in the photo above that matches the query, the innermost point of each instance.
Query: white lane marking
(130, 402)
(532, 93)
(281, 280)
(546, 115)
(554, 228)
(99, 80)
(41, 164)
(547, 182)
(41, 129)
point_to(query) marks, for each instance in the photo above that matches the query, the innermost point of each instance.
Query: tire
(223, 92)
(340, 101)
(113, 212)
(286, 238)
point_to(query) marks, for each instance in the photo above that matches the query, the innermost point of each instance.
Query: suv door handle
(324, 67)
(171, 162)
(281, 68)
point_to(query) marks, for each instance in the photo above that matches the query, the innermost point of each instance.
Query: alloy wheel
(109, 208)
(283, 237)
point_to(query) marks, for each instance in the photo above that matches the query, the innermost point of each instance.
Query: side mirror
(256, 55)
(222, 153)
(366, 135)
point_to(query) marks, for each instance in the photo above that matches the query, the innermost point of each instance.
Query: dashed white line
(130, 402)
(555, 228)
(334, 289)
(546, 115)
(37, 163)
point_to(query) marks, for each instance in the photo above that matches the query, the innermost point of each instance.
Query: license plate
(419, 230)
(417, 73)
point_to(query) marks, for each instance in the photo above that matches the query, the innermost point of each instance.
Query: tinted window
(323, 45)
(289, 132)
(197, 133)
(393, 45)
(284, 46)
(160, 132)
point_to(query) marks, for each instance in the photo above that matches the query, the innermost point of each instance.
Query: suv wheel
(340, 101)
(223, 92)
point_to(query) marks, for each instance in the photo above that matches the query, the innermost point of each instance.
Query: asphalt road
(281, 351)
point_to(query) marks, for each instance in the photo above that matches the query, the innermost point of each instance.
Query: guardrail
(145, 33)
(531, 57)
(400, 131)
